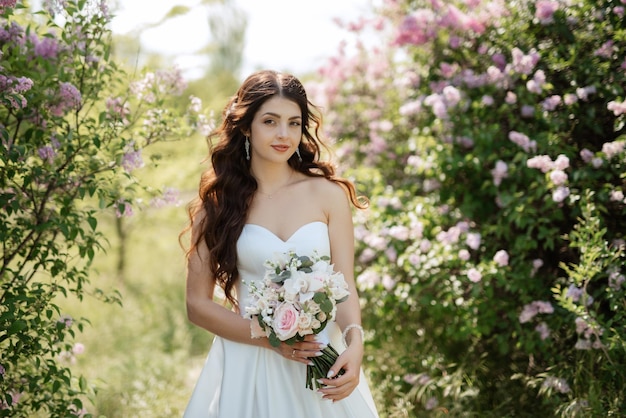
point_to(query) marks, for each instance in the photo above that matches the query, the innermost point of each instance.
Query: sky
(287, 35)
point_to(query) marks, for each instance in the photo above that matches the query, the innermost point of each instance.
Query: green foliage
(73, 128)
(490, 139)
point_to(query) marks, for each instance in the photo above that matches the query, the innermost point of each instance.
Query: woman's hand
(301, 351)
(338, 388)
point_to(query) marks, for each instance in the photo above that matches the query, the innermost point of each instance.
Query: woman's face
(276, 130)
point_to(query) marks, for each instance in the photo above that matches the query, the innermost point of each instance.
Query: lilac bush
(490, 137)
(72, 130)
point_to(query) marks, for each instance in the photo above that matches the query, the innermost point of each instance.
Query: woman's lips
(281, 148)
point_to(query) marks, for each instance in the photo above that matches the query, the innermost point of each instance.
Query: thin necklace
(270, 195)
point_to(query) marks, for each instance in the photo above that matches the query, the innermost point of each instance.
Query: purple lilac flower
(543, 330)
(123, 208)
(558, 384)
(132, 160)
(523, 141)
(69, 97)
(524, 63)
(45, 47)
(532, 309)
(170, 196)
(545, 10)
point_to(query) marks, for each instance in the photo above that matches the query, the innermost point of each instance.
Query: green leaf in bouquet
(274, 340)
(305, 263)
(324, 302)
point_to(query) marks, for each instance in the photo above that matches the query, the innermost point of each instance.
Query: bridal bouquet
(297, 297)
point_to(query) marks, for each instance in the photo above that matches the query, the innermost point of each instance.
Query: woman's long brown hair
(227, 187)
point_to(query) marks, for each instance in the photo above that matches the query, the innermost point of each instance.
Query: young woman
(267, 191)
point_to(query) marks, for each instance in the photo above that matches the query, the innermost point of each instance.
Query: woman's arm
(201, 309)
(341, 234)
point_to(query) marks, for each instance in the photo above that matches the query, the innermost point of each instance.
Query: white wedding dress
(245, 381)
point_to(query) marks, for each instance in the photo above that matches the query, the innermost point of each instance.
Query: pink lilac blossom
(5, 4)
(545, 10)
(473, 240)
(388, 283)
(501, 258)
(597, 162)
(558, 384)
(431, 403)
(586, 330)
(540, 162)
(576, 294)
(132, 160)
(169, 197)
(123, 208)
(535, 85)
(511, 98)
(464, 254)
(499, 172)
(586, 155)
(399, 232)
(367, 255)
(560, 194)
(616, 279)
(543, 330)
(523, 141)
(558, 177)
(617, 196)
(570, 99)
(583, 93)
(551, 103)
(487, 100)
(78, 348)
(537, 264)
(611, 149)
(527, 111)
(417, 28)
(618, 108)
(474, 275)
(368, 279)
(411, 108)
(118, 109)
(605, 51)
(561, 162)
(619, 11)
(524, 63)
(529, 311)
(66, 320)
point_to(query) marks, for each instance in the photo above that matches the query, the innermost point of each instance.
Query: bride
(267, 191)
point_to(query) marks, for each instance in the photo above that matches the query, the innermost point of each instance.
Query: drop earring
(247, 147)
(298, 152)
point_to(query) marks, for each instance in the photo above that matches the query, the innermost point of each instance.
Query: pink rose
(285, 321)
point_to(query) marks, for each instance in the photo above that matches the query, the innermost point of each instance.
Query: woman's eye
(295, 123)
(269, 122)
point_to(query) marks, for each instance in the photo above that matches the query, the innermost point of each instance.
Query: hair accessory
(247, 146)
(298, 152)
(350, 327)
